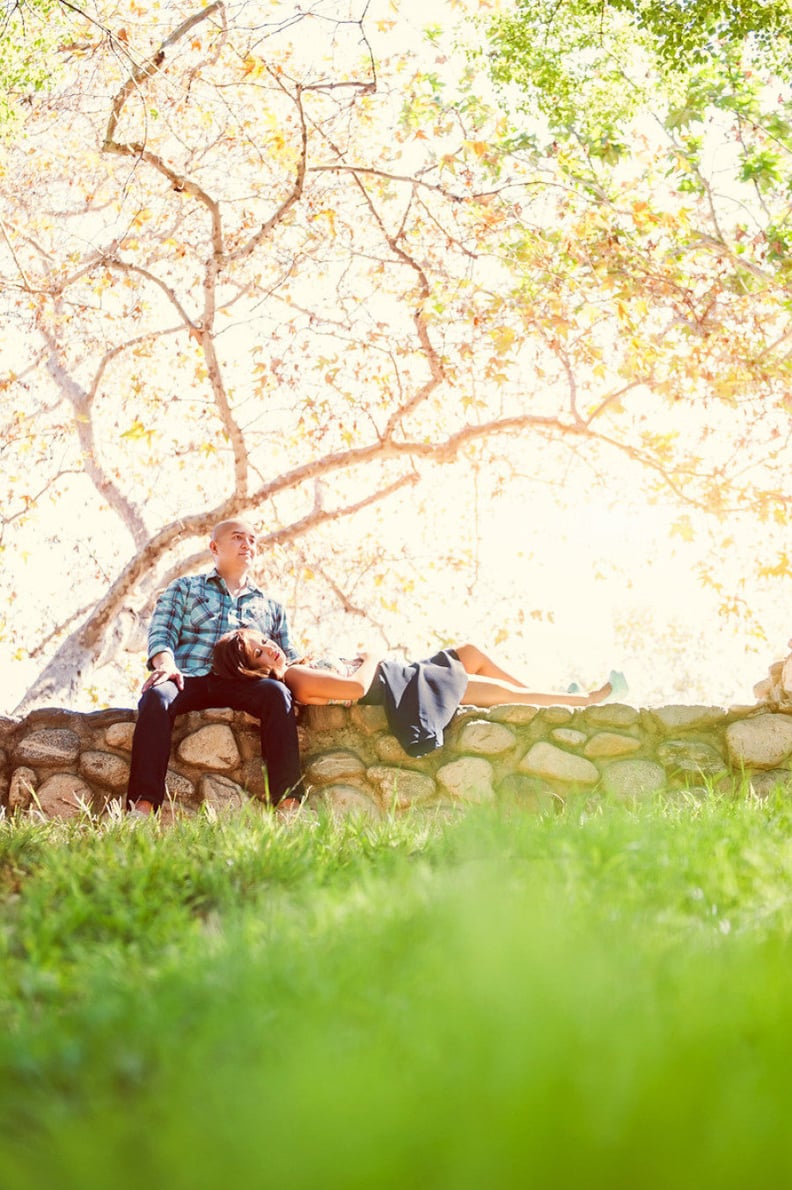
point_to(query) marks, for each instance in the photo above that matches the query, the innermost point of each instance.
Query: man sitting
(190, 617)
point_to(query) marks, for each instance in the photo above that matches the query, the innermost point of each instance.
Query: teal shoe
(619, 686)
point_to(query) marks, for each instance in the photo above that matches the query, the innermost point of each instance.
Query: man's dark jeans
(266, 699)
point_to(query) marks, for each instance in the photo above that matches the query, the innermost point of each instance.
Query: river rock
(610, 743)
(249, 741)
(325, 718)
(48, 746)
(632, 778)
(119, 735)
(684, 718)
(469, 778)
(569, 736)
(546, 760)
(389, 749)
(484, 738)
(105, 769)
(220, 792)
(554, 716)
(401, 786)
(368, 719)
(178, 788)
(211, 747)
(219, 715)
(612, 714)
(517, 713)
(8, 729)
(63, 796)
(253, 779)
(334, 766)
(690, 756)
(768, 781)
(343, 799)
(20, 790)
(760, 743)
(531, 792)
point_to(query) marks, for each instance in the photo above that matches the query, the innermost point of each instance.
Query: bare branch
(80, 400)
(296, 190)
(138, 150)
(58, 630)
(8, 519)
(611, 398)
(124, 267)
(436, 370)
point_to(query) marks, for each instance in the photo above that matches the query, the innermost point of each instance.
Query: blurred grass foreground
(601, 997)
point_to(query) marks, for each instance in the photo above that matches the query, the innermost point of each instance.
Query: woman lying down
(419, 697)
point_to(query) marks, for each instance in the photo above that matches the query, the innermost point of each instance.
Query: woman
(246, 653)
(420, 697)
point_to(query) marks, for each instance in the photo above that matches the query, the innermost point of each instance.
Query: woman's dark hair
(233, 655)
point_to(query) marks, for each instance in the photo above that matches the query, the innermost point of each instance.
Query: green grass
(600, 998)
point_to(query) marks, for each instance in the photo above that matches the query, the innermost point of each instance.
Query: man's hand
(164, 669)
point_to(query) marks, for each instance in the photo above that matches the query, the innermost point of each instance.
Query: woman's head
(247, 653)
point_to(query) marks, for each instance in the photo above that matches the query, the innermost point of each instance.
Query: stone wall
(58, 761)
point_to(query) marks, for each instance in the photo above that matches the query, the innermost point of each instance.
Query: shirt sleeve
(280, 633)
(166, 622)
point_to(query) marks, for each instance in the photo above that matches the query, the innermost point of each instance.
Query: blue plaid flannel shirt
(193, 612)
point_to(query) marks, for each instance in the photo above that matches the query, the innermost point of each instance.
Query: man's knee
(273, 699)
(157, 700)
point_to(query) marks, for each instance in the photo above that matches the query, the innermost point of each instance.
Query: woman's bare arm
(312, 687)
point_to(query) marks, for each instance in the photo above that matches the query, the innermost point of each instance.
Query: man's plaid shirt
(193, 613)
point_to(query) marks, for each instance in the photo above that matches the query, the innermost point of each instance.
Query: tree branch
(80, 401)
(295, 193)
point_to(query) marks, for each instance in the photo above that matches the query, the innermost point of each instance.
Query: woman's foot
(618, 685)
(600, 695)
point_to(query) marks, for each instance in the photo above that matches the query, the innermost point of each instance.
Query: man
(191, 615)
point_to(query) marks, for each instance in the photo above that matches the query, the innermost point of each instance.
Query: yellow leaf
(253, 67)
(503, 338)
(136, 431)
(682, 528)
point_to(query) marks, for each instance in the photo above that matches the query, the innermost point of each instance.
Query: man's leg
(151, 742)
(271, 703)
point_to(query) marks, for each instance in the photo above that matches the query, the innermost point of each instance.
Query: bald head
(233, 547)
(225, 527)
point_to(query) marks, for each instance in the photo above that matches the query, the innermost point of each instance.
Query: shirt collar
(213, 576)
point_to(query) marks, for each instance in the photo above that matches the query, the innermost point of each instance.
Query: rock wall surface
(59, 762)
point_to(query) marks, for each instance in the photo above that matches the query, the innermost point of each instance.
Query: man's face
(235, 546)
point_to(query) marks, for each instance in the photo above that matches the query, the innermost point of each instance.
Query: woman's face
(265, 655)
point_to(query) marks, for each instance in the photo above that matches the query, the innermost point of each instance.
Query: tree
(269, 271)
(669, 131)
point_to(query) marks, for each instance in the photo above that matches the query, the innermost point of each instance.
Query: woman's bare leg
(488, 692)
(490, 685)
(477, 662)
